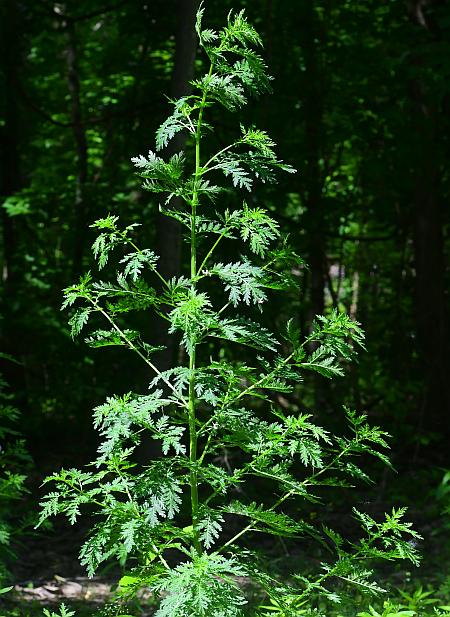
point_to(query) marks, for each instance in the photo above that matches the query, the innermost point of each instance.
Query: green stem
(138, 250)
(133, 347)
(205, 449)
(250, 525)
(287, 495)
(193, 454)
(216, 156)
(193, 476)
(229, 402)
(261, 381)
(212, 249)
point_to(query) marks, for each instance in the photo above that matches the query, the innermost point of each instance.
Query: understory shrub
(180, 522)
(14, 465)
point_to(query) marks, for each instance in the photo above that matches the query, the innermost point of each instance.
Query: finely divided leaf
(243, 281)
(136, 261)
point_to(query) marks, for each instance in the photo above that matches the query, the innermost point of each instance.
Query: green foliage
(14, 463)
(202, 586)
(442, 494)
(388, 611)
(213, 403)
(63, 612)
(419, 600)
(414, 602)
(242, 281)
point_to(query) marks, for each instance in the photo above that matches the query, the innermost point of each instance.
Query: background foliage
(360, 107)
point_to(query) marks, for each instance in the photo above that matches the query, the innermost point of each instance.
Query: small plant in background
(389, 610)
(211, 404)
(294, 607)
(415, 603)
(63, 612)
(419, 600)
(14, 462)
(442, 494)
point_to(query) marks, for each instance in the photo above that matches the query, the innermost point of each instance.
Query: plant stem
(216, 156)
(212, 249)
(287, 495)
(193, 454)
(193, 476)
(138, 250)
(260, 381)
(136, 350)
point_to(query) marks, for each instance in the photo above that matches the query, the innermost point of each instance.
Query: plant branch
(192, 355)
(136, 350)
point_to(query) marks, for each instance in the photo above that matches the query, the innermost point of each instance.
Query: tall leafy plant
(211, 404)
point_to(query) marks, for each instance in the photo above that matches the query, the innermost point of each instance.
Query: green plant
(389, 610)
(418, 600)
(215, 404)
(442, 494)
(63, 612)
(14, 461)
(292, 605)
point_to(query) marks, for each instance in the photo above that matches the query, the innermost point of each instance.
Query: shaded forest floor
(47, 572)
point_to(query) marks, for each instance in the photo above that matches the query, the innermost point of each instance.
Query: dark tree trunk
(312, 176)
(431, 318)
(314, 220)
(79, 133)
(10, 161)
(10, 183)
(168, 229)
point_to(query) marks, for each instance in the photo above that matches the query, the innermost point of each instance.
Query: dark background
(360, 107)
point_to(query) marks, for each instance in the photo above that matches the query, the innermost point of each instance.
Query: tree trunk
(79, 133)
(312, 30)
(431, 318)
(10, 183)
(314, 220)
(431, 311)
(169, 230)
(10, 161)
